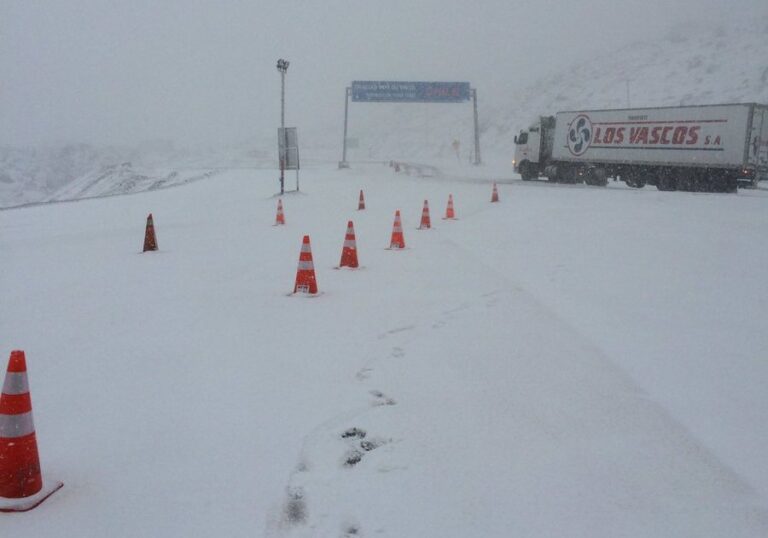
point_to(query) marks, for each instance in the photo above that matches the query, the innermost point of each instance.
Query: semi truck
(710, 148)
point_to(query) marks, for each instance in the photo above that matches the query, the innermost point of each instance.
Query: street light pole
(282, 66)
(477, 130)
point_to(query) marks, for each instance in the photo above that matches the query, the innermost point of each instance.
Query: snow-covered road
(571, 361)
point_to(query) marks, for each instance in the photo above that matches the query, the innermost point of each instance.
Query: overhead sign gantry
(383, 91)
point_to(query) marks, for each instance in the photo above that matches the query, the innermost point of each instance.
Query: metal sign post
(344, 163)
(288, 150)
(477, 131)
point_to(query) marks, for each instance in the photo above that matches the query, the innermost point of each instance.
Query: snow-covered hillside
(32, 175)
(124, 179)
(83, 171)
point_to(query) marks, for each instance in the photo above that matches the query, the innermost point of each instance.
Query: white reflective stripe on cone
(306, 266)
(350, 243)
(16, 425)
(15, 383)
(306, 248)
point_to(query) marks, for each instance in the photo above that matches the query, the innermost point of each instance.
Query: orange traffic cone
(21, 482)
(280, 218)
(361, 203)
(495, 195)
(425, 221)
(349, 251)
(150, 241)
(398, 241)
(305, 274)
(449, 213)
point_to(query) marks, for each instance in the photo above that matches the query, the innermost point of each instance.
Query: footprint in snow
(396, 330)
(354, 432)
(363, 374)
(358, 444)
(295, 508)
(381, 398)
(350, 531)
(462, 306)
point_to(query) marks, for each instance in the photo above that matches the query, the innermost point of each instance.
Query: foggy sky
(203, 72)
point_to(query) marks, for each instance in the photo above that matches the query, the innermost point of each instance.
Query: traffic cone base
(33, 501)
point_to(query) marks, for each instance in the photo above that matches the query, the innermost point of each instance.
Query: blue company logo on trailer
(579, 135)
(410, 92)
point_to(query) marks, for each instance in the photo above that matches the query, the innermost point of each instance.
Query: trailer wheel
(702, 184)
(568, 174)
(596, 177)
(729, 185)
(636, 181)
(686, 181)
(666, 183)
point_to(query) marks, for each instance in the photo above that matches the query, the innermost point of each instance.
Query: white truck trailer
(711, 148)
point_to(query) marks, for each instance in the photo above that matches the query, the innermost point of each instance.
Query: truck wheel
(527, 172)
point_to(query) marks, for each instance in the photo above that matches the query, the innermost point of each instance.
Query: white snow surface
(571, 361)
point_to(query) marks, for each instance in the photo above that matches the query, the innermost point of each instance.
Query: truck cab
(533, 148)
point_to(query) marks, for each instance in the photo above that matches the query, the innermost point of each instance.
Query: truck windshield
(522, 138)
